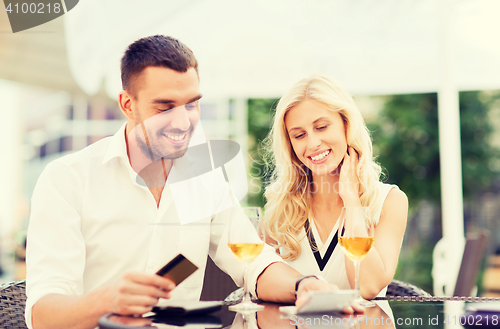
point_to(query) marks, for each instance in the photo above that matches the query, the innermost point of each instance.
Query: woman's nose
(313, 143)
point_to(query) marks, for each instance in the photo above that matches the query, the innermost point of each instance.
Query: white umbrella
(259, 48)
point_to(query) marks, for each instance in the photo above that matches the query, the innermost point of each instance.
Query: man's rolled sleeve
(255, 269)
(225, 259)
(55, 252)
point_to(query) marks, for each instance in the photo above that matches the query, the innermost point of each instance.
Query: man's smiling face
(165, 111)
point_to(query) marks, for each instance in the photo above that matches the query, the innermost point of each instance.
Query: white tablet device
(322, 302)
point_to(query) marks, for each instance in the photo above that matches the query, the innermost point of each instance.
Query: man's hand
(312, 283)
(137, 293)
(134, 294)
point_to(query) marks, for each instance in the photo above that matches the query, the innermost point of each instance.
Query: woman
(323, 161)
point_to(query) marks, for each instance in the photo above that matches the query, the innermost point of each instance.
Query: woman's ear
(355, 150)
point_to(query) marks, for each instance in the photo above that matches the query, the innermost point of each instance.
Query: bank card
(178, 269)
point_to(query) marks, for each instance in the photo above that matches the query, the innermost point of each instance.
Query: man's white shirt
(91, 221)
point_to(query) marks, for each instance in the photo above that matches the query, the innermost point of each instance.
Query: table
(387, 314)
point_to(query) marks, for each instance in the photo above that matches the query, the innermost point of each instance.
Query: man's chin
(174, 154)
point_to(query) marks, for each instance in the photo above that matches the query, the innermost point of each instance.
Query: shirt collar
(117, 147)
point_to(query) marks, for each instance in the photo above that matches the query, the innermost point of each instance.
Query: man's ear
(125, 102)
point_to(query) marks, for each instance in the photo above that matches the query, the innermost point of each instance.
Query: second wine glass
(356, 235)
(246, 244)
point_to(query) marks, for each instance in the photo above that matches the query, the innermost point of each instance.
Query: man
(98, 232)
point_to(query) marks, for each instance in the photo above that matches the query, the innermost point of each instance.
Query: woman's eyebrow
(322, 118)
(293, 129)
(314, 122)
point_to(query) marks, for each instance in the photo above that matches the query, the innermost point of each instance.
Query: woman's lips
(321, 157)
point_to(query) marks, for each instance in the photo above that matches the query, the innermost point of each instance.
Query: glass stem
(246, 297)
(356, 278)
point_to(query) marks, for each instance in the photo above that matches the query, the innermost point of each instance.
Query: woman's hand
(311, 284)
(348, 179)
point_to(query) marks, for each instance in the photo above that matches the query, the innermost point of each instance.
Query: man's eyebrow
(194, 99)
(170, 101)
(162, 101)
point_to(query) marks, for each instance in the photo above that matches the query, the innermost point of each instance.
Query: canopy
(259, 48)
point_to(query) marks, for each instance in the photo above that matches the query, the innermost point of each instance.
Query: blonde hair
(288, 195)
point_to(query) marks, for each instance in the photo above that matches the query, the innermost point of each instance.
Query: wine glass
(246, 244)
(356, 237)
(245, 321)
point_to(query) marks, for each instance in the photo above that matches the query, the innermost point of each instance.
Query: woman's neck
(326, 203)
(325, 189)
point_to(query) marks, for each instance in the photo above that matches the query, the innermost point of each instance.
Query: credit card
(178, 269)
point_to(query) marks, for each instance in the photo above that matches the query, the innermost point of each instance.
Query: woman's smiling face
(317, 135)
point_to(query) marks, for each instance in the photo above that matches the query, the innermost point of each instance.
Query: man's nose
(180, 119)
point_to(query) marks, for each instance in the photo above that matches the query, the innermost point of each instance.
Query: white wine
(246, 252)
(356, 248)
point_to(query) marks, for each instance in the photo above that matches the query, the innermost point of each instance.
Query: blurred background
(425, 75)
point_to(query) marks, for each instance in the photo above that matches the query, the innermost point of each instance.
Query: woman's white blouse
(334, 270)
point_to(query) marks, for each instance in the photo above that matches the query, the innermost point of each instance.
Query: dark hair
(159, 51)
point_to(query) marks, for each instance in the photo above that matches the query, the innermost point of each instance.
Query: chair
(216, 284)
(475, 246)
(12, 305)
(395, 290)
(400, 289)
(237, 296)
(449, 279)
